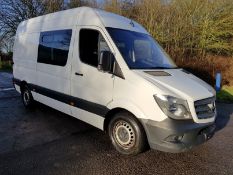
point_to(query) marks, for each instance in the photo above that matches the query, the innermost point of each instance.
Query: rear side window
(91, 43)
(54, 47)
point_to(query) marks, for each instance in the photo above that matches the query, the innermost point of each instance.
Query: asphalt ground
(44, 141)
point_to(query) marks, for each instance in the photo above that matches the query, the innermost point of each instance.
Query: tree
(12, 12)
(126, 8)
(79, 3)
(51, 6)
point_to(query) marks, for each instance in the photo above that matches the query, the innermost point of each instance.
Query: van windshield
(140, 51)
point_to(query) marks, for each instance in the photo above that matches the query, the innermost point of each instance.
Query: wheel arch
(110, 115)
(116, 110)
(22, 85)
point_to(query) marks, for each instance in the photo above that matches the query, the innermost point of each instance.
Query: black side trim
(70, 100)
(74, 101)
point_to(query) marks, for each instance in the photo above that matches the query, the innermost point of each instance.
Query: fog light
(174, 138)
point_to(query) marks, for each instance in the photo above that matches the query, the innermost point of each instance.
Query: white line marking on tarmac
(7, 89)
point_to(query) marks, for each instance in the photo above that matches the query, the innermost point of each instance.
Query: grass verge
(226, 94)
(5, 66)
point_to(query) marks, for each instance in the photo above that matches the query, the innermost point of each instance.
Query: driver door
(92, 89)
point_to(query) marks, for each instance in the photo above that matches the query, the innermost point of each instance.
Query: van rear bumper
(177, 136)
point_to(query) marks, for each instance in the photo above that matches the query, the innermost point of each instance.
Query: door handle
(79, 74)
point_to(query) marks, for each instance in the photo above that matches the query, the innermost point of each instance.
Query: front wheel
(127, 134)
(27, 98)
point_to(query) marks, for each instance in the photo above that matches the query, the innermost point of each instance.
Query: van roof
(83, 16)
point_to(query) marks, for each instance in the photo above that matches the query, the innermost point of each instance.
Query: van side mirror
(105, 62)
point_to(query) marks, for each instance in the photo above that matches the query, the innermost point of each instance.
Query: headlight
(173, 107)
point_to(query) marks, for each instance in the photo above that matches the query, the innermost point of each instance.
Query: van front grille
(205, 108)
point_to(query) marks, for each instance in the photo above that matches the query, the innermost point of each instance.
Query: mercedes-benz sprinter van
(108, 71)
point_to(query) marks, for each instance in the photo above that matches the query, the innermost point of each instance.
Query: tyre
(27, 98)
(127, 134)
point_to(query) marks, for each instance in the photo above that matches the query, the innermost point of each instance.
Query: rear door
(92, 88)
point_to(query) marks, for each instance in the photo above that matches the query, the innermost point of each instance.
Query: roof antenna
(131, 23)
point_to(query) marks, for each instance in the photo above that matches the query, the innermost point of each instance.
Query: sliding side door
(53, 69)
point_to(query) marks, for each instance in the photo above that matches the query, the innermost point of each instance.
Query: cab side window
(91, 43)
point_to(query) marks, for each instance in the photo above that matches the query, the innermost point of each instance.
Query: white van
(108, 71)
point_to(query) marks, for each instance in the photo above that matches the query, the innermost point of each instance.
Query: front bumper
(177, 136)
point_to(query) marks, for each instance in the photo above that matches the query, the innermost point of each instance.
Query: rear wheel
(127, 134)
(27, 98)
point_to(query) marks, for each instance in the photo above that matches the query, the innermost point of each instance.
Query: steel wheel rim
(124, 134)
